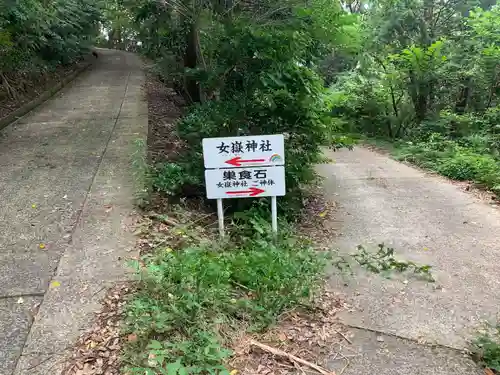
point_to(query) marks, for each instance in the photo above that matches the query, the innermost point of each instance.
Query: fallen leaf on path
(55, 284)
(152, 360)
(132, 337)
(99, 348)
(282, 337)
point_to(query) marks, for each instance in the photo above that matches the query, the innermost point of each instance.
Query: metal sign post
(245, 167)
(220, 216)
(274, 215)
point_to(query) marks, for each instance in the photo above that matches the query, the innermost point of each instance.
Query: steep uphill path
(66, 196)
(428, 220)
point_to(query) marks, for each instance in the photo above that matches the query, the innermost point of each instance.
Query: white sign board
(232, 152)
(245, 182)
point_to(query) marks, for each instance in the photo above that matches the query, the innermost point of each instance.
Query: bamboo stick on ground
(291, 357)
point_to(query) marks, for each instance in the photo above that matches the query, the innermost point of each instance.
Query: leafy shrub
(486, 348)
(453, 160)
(187, 298)
(448, 124)
(264, 87)
(483, 169)
(170, 178)
(429, 153)
(492, 124)
(480, 143)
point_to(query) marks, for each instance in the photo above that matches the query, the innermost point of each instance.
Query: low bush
(191, 299)
(486, 348)
(170, 178)
(464, 160)
(265, 86)
(467, 165)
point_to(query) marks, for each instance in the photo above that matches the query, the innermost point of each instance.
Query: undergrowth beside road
(486, 348)
(196, 296)
(466, 159)
(463, 160)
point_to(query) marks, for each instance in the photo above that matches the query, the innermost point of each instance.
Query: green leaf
(154, 344)
(173, 368)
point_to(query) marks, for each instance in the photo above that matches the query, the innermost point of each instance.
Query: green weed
(191, 300)
(141, 173)
(170, 178)
(384, 262)
(486, 348)
(453, 160)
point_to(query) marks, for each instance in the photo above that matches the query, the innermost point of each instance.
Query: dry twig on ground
(291, 357)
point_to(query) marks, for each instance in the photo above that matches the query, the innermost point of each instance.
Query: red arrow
(237, 161)
(252, 192)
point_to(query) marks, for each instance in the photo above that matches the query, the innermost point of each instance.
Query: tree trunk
(421, 107)
(419, 95)
(191, 60)
(463, 97)
(493, 88)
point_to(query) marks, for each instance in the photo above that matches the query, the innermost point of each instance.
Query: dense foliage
(38, 36)
(195, 299)
(247, 69)
(415, 71)
(424, 72)
(429, 76)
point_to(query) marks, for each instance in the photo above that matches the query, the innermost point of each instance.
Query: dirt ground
(29, 87)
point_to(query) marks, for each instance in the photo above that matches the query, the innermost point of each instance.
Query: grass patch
(141, 173)
(486, 348)
(462, 161)
(379, 143)
(194, 299)
(198, 295)
(384, 262)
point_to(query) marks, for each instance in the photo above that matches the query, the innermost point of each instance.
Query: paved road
(66, 188)
(427, 220)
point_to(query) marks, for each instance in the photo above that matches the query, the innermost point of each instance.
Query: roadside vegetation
(197, 297)
(428, 81)
(421, 74)
(242, 68)
(40, 42)
(486, 349)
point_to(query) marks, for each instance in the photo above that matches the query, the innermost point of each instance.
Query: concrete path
(66, 196)
(427, 220)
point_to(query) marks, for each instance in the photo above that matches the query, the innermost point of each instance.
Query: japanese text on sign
(237, 147)
(245, 182)
(244, 151)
